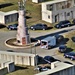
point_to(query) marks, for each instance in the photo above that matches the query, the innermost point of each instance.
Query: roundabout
(12, 42)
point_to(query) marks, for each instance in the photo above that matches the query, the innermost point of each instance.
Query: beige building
(8, 17)
(59, 68)
(58, 10)
(18, 58)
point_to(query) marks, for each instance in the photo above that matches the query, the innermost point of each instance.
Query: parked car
(49, 59)
(62, 48)
(59, 38)
(70, 55)
(39, 27)
(12, 27)
(73, 21)
(62, 24)
(40, 60)
(73, 38)
(44, 68)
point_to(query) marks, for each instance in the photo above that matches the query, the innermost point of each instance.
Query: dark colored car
(73, 38)
(70, 55)
(39, 27)
(40, 60)
(62, 48)
(49, 59)
(73, 21)
(12, 27)
(63, 24)
(59, 38)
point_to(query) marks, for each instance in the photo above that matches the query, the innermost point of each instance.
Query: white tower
(22, 31)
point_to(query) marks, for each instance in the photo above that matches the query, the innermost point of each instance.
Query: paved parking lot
(52, 52)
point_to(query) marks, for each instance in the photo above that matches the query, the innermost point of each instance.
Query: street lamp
(30, 42)
(35, 57)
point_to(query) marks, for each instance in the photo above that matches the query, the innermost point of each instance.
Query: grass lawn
(23, 70)
(70, 43)
(33, 11)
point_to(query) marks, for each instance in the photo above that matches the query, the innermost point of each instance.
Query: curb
(12, 46)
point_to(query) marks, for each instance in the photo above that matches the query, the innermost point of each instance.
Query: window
(49, 41)
(43, 43)
(48, 16)
(68, 14)
(68, 5)
(50, 7)
(63, 7)
(74, 1)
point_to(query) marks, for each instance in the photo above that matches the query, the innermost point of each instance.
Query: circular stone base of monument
(12, 42)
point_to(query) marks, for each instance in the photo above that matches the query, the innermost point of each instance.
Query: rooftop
(59, 66)
(4, 61)
(48, 38)
(53, 2)
(16, 53)
(8, 13)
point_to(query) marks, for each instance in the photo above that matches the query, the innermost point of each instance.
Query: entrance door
(11, 67)
(57, 18)
(65, 15)
(23, 40)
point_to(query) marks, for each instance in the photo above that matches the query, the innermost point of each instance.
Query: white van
(48, 42)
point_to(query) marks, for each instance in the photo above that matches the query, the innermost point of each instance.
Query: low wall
(18, 58)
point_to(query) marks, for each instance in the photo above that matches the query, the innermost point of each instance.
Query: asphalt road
(4, 35)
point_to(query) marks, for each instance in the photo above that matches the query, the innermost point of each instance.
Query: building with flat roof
(59, 68)
(58, 10)
(8, 17)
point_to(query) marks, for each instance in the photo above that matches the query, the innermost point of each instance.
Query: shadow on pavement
(53, 34)
(64, 41)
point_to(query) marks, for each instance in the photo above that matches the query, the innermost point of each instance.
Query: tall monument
(22, 31)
